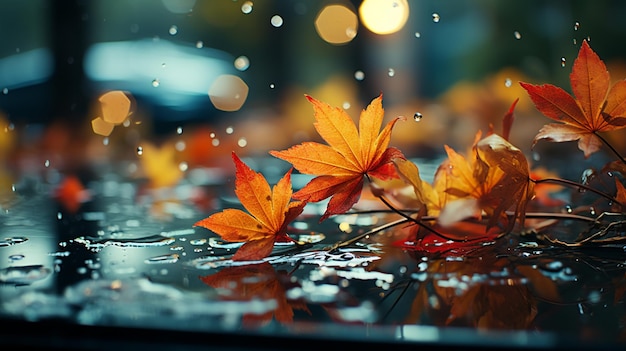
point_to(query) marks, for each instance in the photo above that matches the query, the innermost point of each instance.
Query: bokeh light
(384, 17)
(336, 24)
(228, 92)
(115, 106)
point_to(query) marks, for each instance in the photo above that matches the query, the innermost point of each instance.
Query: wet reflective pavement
(118, 264)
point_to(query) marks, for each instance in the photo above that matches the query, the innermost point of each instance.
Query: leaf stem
(610, 147)
(578, 185)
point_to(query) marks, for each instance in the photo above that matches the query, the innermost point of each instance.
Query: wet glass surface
(114, 264)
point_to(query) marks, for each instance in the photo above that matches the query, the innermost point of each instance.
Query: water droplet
(12, 241)
(179, 130)
(173, 30)
(563, 61)
(163, 65)
(47, 163)
(345, 105)
(508, 82)
(180, 145)
(105, 141)
(197, 242)
(576, 25)
(417, 116)
(183, 166)
(276, 21)
(16, 257)
(199, 44)
(59, 215)
(5, 91)
(574, 41)
(272, 86)
(242, 142)
(359, 75)
(230, 130)
(436, 17)
(212, 135)
(242, 63)
(592, 211)
(418, 35)
(568, 209)
(162, 259)
(391, 72)
(517, 35)
(139, 150)
(215, 142)
(23, 275)
(155, 82)
(246, 7)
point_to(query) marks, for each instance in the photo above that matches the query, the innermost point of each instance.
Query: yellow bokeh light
(336, 24)
(101, 127)
(115, 106)
(384, 16)
(228, 92)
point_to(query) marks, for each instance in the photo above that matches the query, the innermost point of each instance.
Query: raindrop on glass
(574, 41)
(346, 105)
(592, 211)
(391, 72)
(576, 25)
(418, 35)
(179, 130)
(47, 163)
(183, 166)
(563, 61)
(105, 141)
(155, 83)
(568, 209)
(230, 130)
(16, 257)
(508, 82)
(5, 91)
(163, 65)
(359, 75)
(173, 30)
(59, 215)
(276, 21)
(517, 35)
(272, 86)
(139, 150)
(242, 142)
(215, 142)
(417, 117)
(247, 7)
(436, 17)
(180, 145)
(199, 44)
(242, 63)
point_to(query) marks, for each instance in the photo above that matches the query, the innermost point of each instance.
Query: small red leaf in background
(71, 194)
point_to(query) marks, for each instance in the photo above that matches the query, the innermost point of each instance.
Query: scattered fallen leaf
(270, 211)
(351, 155)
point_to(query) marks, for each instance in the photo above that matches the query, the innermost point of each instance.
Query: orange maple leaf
(351, 155)
(494, 178)
(270, 211)
(595, 107)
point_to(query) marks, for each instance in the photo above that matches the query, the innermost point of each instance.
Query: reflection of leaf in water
(445, 298)
(260, 282)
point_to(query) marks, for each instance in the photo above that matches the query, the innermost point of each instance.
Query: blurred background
(153, 84)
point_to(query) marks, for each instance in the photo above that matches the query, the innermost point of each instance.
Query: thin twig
(578, 185)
